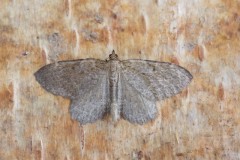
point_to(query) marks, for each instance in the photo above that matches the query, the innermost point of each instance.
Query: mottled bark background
(203, 122)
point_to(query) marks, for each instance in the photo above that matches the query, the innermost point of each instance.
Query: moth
(123, 88)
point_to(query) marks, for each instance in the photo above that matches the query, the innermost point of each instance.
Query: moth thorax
(115, 112)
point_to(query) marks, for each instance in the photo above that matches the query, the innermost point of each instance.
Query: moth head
(113, 56)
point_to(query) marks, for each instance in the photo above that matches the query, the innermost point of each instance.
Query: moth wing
(155, 80)
(85, 82)
(136, 108)
(68, 78)
(91, 105)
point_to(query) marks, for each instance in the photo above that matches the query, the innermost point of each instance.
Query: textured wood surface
(202, 122)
